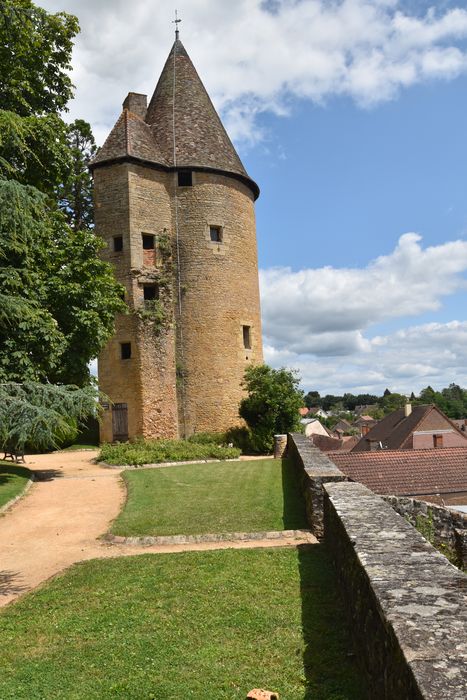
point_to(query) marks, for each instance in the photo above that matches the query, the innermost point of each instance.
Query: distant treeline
(452, 401)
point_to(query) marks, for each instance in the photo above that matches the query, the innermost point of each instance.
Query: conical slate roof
(181, 129)
(200, 137)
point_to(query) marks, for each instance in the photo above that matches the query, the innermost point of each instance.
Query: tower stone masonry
(175, 207)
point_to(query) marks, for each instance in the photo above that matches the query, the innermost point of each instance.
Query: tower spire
(176, 21)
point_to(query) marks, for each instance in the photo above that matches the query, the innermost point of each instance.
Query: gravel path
(59, 520)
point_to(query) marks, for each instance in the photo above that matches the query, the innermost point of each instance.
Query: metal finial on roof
(176, 21)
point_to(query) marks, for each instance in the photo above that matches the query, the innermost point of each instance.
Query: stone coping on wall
(300, 536)
(315, 469)
(407, 603)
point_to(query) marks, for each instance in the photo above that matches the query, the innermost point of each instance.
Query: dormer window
(185, 178)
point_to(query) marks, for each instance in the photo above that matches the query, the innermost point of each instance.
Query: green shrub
(209, 439)
(156, 451)
(239, 436)
(272, 405)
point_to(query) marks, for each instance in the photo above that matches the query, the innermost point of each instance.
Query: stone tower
(175, 207)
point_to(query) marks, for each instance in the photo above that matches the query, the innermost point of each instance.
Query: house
(412, 428)
(364, 424)
(317, 412)
(461, 423)
(342, 426)
(433, 475)
(314, 427)
(303, 411)
(365, 408)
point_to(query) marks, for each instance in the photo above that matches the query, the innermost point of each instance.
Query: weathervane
(176, 21)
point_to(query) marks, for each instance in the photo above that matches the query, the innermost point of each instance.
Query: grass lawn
(13, 479)
(191, 625)
(217, 497)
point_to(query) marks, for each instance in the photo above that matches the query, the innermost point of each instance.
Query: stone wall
(443, 527)
(220, 295)
(186, 377)
(315, 470)
(406, 602)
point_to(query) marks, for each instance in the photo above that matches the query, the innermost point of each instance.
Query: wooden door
(120, 422)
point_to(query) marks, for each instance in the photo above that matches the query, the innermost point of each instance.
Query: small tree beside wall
(272, 404)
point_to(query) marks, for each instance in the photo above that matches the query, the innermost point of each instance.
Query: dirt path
(58, 522)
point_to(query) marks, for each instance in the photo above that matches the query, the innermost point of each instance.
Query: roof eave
(251, 184)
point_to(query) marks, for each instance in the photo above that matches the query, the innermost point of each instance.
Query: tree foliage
(75, 193)
(58, 299)
(272, 404)
(35, 54)
(40, 416)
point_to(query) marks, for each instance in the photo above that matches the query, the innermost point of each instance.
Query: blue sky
(351, 116)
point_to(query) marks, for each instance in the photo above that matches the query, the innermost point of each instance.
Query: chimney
(407, 409)
(137, 103)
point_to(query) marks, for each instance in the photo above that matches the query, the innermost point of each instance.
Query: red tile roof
(407, 472)
(330, 444)
(394, 429)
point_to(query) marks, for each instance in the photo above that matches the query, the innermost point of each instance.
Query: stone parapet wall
(406, 602)
(315, 470)
(443, 527)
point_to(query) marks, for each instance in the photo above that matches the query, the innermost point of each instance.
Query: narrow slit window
(150, 292)
(125, 351)
(118, 244)
(185, 178)
(216, 234)
(247, 337)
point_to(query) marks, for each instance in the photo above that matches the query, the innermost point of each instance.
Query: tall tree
(75, 194)
(58, 298)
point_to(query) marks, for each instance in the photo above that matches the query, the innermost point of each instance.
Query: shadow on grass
(330, 668)
(9, 471)
(10, 583)
(294, 516)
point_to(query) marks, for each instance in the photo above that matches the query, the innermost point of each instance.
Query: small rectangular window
(437, 440)
(125, 351)
(118, 244)
(216, 234)
(185, 178)
(148, 241)
(247, 337)
(150, 292)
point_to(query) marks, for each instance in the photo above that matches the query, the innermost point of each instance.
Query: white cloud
(255, 56)
(318, 320)
(431, 354)
(324, 311)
